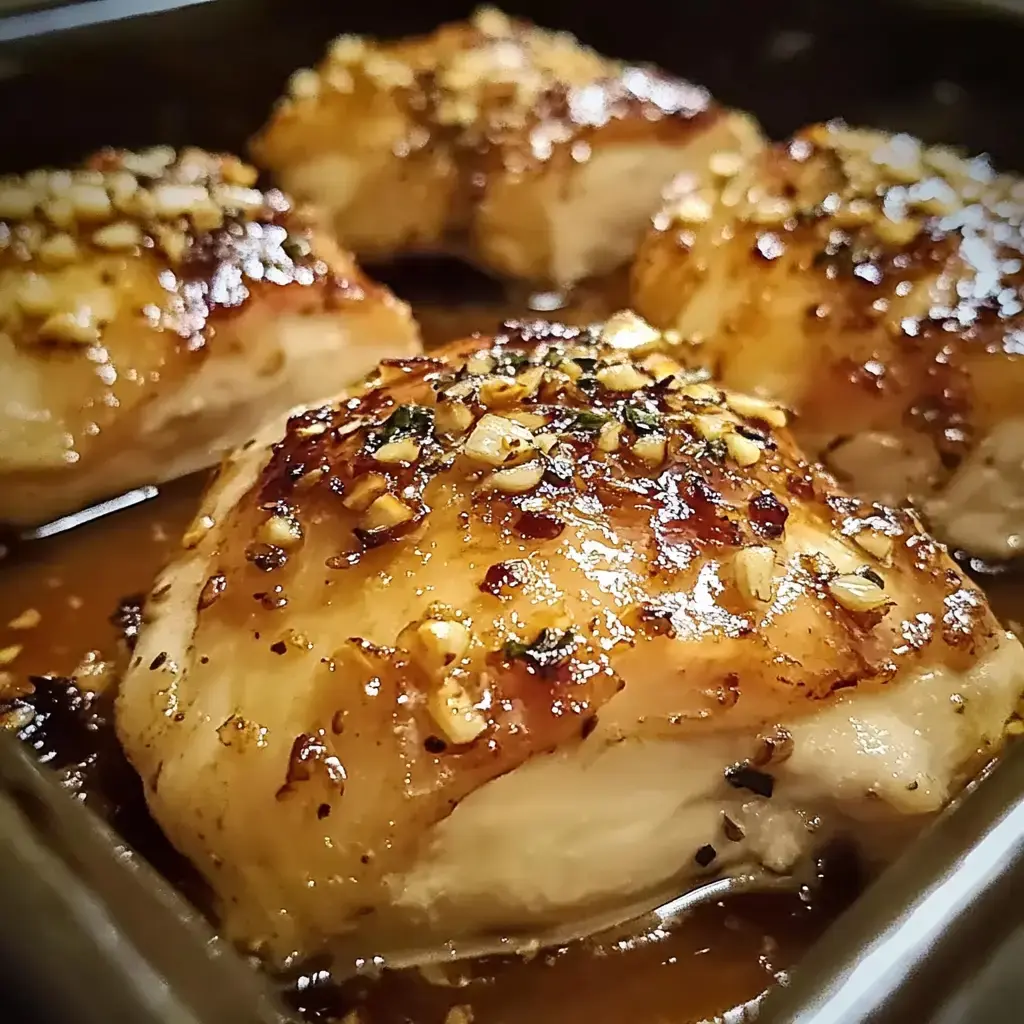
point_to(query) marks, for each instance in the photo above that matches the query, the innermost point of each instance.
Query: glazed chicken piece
(873, 286)
(155, 309)
(516, 147)
(534, 626)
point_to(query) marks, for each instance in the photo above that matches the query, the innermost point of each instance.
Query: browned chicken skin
(155, 308)
(873, 286)
(515, 146)
(533, 626)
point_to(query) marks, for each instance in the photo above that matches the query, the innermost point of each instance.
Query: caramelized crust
(874, 286)
(515, 547)
(142, 296)
(492, 138)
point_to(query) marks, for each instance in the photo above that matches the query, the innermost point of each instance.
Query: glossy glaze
(141, 298)
(873, 285)
(77, 580)
(492, 138)
(548, 541)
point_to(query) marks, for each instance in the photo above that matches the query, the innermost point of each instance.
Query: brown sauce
(58, 600)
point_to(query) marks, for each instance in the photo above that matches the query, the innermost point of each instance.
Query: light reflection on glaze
(888, 291)
(429, 678)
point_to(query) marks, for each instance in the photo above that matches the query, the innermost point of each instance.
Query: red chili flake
(800, 485)
(767, 515)
(503, 574)
(538, 526)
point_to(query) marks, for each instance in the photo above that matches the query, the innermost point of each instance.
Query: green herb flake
(406, 421)
(510, 363)
(551, 648)
(588, 421)
(643, 421)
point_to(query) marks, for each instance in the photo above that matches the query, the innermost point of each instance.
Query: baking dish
(206, 73)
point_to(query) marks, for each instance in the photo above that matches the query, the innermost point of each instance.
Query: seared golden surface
(513, 145)
(540, 601)
(154, 308)
(874, 286)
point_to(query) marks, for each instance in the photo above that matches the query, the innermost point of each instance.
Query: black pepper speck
(745, 776)
(705, 855)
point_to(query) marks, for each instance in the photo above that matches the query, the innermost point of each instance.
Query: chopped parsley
(406, 421)
(643, 421)
(714, 451)
(588, 421)
(510, 363)
(551, 648)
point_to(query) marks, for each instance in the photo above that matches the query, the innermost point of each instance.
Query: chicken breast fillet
(530, 628)
(155, 309)
(514, 146)
(874, 286)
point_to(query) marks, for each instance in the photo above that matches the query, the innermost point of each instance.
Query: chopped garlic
(757, 409)
(651, 449)
(442, 643)
(711, 428)
(622, 377)
(452, 418)
(498, 441)
(387, 511)
(875, 543)
(480, 363)
(496, 392)
(364, 492)
(9, 653)
(517, 480)
(743, 451)
(404, 450)
(28, 619)
(608, 436)
(453, 710)
(281, 532)
(857, 593)
(626, 330)
(754, 568)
